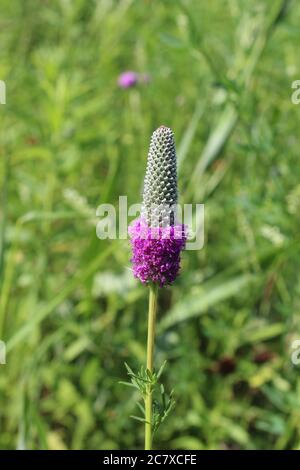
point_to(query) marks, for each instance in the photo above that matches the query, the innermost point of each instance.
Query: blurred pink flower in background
(129, 79)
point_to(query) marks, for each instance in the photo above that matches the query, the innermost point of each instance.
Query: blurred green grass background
(71, 139)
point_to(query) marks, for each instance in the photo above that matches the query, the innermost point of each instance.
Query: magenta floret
(156, 251)
(128, 79)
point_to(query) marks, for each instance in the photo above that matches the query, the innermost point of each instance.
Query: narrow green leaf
(138, 418)
(197, 304)
(70, 287)
(128, 384)
(161, 369)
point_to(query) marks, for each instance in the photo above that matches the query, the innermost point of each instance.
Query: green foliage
(162, 403)
(71, 139)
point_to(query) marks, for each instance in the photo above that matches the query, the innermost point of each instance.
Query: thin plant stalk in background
(157, 241)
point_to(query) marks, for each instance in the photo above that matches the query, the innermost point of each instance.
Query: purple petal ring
(156, 251)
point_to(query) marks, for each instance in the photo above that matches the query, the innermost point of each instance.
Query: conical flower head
(156, 239)
(160, 184)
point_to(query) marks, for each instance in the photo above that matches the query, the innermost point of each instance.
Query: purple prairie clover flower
(128, 79)
(156, 239)
(156, 252)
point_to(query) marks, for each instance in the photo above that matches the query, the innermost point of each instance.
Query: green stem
(150, 349)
